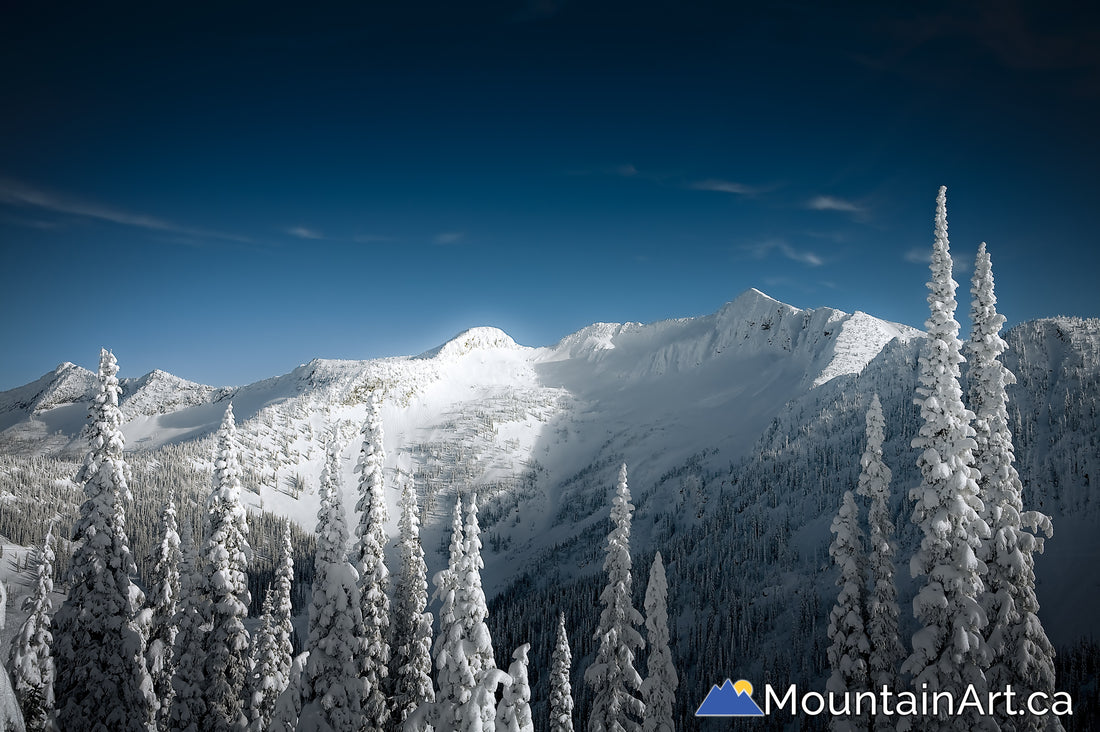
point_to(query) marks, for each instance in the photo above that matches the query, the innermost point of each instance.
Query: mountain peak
(474, 339)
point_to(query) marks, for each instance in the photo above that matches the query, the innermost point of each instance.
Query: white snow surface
(481, 410)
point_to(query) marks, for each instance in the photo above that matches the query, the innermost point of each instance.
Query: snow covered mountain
(741, 429)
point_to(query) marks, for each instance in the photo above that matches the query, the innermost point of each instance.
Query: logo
(730, 700)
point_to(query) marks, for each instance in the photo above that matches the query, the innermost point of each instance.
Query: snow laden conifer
(282, 611)
(411, 665)
(97, 641)
(514, 710)
(848, 647)
(373, 575)
(331, 684)
(165, 583)
(561, 690)
(659, 687)
(263, 684)
(454, 676)
(949, 651)
(31, 662)
(187, 707)
(882, 602)
(11, 718)
(1022, 655)
(226, 554)
(614, 681)
(289, 705)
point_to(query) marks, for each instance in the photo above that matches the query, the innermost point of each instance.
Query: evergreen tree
(282, 611)
(849, 647)
(514, 710)
(187, 708)
(659, 687)
(1023, 656)
(97, 642)
(411, 665)
(331, 685)
(289, 705)
(226, 553)
(882, 605)
(615, 682)
(165, 582)
(373, 575)
(561, 690)
(11, 719)
(453, 673)
(31, 663)
(949, 650)
(264, 683)
(472, 611)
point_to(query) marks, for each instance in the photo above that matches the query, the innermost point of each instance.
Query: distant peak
(474, 339)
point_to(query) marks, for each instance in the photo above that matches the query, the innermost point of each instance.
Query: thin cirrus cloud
(448, 237)
(802, 256)
(832, 203)
(724, 186)
(303, 232)
(16, 193)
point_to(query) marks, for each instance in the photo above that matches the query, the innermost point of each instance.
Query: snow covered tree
(263, 680)
(11, 719)
(1022, 655)
(849, 647)
(411, 665)
(514, 710)
(226, 553)
(561, 690)
(949, 651)
(31, 663)
(615, 683)
(331, 684)
(165, 582)
(471, 609)
(455, 678)
(187, 707)
(289, 705)
(659, 687)
(882, 603)
(282, 611)
(373, 575)
(97, 642)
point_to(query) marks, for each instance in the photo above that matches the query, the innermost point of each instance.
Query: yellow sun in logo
(743, 687)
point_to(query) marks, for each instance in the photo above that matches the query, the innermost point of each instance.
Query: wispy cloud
(724, 186)
(449, 237)
(16, 193)
(802, 256)
(923, 255)
(832, 203)
(305, 233)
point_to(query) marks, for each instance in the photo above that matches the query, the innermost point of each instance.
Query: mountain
(741, 430)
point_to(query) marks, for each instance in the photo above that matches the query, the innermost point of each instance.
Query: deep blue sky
(227, 193)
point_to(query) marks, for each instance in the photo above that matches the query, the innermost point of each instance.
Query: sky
(227, 191)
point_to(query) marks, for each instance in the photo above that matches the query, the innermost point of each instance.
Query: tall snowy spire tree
(263, 684)
(332, 688)
(615, 682)
(187, 707)
(514, 710)
(949, 651)
(162, 630)
(882, 603)
(97, 642)
(373, 575)
(561, 690)
(848, 648)
(472, 611)
(411, 665)
(31, 663)
(282, 611)
(1023, 656)
(226, 553)
(659, 687)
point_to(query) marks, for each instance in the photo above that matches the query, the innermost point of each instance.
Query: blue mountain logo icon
(730, 700)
